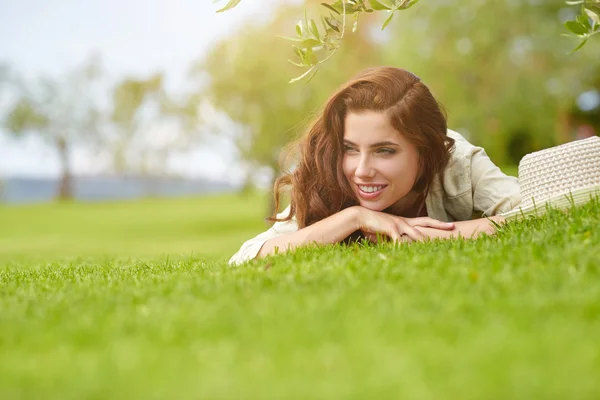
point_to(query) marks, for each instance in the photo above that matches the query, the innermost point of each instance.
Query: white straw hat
(560, 176)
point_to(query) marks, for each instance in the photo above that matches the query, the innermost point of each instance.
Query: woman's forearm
(330, 230)
(467, 229)
(339, 226)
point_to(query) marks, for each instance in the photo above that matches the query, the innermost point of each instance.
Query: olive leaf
(229, 6)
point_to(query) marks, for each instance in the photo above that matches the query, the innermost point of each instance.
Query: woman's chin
(373, 206)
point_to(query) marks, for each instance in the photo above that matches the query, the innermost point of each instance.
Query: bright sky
(41, 37)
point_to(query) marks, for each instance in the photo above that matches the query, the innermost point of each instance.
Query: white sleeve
(250, 248)
(493, 191)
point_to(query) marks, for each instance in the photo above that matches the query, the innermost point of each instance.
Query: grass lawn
(135, 300)
(207, 226)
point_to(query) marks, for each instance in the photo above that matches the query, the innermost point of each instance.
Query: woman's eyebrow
(378, 144)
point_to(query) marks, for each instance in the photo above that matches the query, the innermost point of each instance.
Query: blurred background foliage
(502, 69)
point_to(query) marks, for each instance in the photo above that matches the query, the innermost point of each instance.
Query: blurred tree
(252, 88)
(63, 111)
(508, 85)
(5, 84)
(148, 126)
(135, 104)
(316, 45)
(136, 111)
(501, 67)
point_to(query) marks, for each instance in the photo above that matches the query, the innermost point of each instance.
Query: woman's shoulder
(457, 175)
(462, 147)
(456, 179)
(471, 181)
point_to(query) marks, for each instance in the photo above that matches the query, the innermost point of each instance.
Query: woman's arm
(339, 226)
(333, 229)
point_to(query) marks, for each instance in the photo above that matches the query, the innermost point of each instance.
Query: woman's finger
(394, 232)
(410, 231)
(432, 223)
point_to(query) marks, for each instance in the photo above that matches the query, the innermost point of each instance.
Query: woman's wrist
(332, 229)
(354, 215)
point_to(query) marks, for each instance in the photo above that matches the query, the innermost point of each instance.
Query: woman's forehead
(369, 127)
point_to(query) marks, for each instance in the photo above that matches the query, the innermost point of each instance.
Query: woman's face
(380, 164)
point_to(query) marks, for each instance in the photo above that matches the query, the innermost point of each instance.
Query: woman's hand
(467, 229)
(372, 223)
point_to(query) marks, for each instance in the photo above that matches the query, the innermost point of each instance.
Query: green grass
(208, 226)
(135, 300)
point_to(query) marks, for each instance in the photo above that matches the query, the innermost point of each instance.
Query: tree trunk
(65, 188)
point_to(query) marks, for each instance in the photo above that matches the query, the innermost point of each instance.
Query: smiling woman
(380, 164)
(379, 161)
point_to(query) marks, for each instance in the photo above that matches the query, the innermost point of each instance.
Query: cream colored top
(472, 184)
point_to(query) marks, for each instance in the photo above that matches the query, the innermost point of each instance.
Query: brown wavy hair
(319, 187)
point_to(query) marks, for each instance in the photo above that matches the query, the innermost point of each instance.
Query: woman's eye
(348, 149)
(386, 151)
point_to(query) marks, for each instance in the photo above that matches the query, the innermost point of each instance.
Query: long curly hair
(319, 187)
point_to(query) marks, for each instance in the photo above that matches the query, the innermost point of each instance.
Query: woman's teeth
(370, 189)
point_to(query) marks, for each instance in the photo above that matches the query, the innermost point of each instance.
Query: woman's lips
(371, 195)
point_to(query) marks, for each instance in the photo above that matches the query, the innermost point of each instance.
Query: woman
(379, 162)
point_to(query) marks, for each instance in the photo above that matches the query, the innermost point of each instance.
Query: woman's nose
(364, 168)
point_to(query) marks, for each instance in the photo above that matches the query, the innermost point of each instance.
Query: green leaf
(314, 30)
(333, 24)
(379, 6)
(229, 6)
(576, 27)
(584, 20)
(352, 9)
(331, 8)
(311, 57)
(339, 6)
(572, 3)
(309, 43)
(299, 29)
(593, 16)
(298, 52)
(325, 27)
(584, 41)
(306, 25)
(388, 20)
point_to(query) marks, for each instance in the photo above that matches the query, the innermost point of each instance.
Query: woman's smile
(370, 192)
(380, 162)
